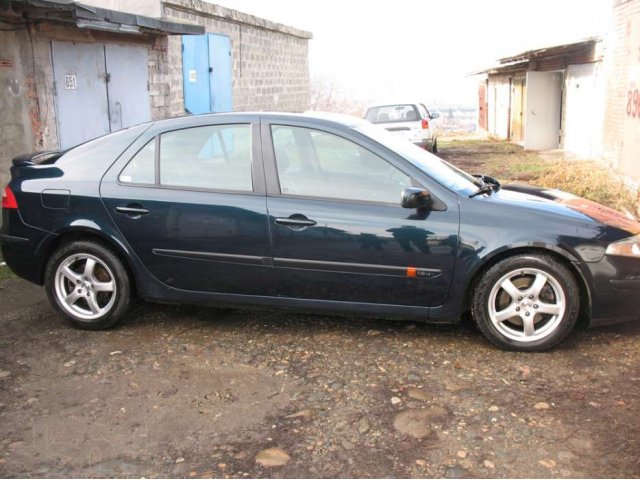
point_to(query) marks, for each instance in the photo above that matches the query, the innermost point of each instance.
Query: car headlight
(629, 247)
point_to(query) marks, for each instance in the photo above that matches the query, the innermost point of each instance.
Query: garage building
(548, 98)
(73, 71)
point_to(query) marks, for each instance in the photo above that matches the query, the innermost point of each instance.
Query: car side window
(314, 163)
(141, 168)
(214, 157)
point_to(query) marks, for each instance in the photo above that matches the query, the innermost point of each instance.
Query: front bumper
(616, 290)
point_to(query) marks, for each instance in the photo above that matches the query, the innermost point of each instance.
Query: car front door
(191, 204)
(338, 230)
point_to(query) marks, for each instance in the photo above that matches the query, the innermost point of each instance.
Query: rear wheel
(88, 285)
(526, 303)
(434, 149)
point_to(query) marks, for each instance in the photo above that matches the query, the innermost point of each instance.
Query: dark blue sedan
(329, 214)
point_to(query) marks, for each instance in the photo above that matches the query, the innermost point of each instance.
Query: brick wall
(621, 132)
(159, 86)
(269, 60)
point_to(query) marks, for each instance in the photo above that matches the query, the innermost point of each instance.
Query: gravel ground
(198, 392)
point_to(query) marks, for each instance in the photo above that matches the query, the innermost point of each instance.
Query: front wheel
(88, 284)
(526, 303)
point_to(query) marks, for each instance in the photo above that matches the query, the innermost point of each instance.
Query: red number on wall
(633, 103)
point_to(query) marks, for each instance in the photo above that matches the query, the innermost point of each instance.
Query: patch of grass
(590, 180)
(511, 163)
(6, 273)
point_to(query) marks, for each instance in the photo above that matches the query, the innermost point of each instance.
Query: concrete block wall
(15, 124)
(159, 86)
(27, 122)
(269, 60)
(621, 130)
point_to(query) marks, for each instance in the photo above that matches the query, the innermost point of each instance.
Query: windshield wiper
(488, 185)
(483, 189)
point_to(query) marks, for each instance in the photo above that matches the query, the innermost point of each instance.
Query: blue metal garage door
(220, 63)
(206, 70)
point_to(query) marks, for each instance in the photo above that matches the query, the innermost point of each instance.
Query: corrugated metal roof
(550, 51)
(522, 60)
(85, 16)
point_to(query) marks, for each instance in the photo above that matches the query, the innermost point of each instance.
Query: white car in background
(411, 121)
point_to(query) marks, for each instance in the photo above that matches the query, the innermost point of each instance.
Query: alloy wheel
(85, 286)
(527, 304)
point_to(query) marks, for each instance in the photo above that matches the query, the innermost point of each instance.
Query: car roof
(389, 104)
(313, 117)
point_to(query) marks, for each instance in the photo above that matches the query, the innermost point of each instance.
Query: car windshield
(441, 171)
(392, 113)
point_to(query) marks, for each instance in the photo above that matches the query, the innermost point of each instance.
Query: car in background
(301, 212)
(411, 121)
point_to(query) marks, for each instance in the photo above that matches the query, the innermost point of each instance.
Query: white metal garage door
(584, 106)
(544, 107)
(99, 89)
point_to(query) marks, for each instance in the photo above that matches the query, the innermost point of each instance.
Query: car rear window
(211, 157)
(392, 113)
(214, 157)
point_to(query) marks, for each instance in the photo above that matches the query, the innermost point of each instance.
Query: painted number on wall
(633, 103)
(70, 82)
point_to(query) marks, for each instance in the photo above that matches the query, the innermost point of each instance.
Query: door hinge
(107, 77)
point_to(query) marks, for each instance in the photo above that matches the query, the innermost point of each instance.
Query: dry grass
(590, 180)
(511, 163)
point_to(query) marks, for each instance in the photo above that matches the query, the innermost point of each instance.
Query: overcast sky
(424, 49)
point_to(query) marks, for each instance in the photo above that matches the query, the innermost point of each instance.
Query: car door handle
(132, 211)
(296, 221)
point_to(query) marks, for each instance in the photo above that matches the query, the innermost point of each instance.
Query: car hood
(567, 204)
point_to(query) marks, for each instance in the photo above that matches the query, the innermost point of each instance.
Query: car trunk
(411, 131)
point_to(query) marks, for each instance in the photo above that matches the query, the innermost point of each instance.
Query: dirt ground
(202, 392)
(198, 392)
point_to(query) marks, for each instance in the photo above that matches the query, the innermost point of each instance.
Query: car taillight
(425, 123)
(9, 199)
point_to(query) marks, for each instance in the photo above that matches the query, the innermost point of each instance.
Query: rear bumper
(21, 244)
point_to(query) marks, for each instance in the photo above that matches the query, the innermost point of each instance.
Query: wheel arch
(563, 256)
(71, 234)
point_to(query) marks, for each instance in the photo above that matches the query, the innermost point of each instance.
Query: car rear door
(191, 204)
(338, 230)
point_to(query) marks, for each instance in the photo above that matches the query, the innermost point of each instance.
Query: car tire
(526, 303)
(88, 284)
(434, 148)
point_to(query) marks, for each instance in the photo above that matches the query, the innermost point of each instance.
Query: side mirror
(435, 115)
(416, 198)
